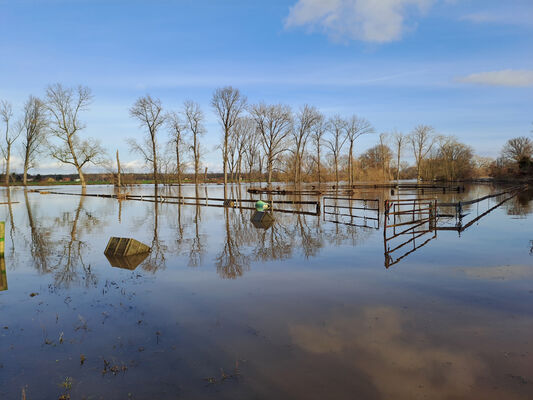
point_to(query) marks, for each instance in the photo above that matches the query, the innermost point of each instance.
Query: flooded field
(311, 307)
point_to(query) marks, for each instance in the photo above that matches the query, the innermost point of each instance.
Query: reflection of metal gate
(408, 221)
(353, 212)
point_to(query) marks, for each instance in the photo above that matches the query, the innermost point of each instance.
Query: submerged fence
(312, 207)
(352, 212)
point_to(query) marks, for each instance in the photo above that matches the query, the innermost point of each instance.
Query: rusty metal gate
(410, 222)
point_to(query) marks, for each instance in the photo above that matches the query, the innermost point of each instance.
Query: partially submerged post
(2, 236)
(3, 276)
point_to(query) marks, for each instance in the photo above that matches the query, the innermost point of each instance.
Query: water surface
(221, 309)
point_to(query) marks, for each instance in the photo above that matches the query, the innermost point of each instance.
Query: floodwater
(305, 309)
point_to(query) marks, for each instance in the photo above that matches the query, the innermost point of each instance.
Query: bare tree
(355, 127)
(64, 106)
(422, 140)
(34, 128)
(242, 131)
(274, 124)
(518, 149)
(11, 134)
(228, 104)
(306, 119)
(177, 132)
(337, 139)
(149, 112)
(252, 150)
(399, 142)
(318, 131)
(194, 121)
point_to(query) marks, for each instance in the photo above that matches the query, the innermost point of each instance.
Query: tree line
(258, 141)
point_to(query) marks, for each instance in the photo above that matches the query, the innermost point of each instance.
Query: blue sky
(463, 66)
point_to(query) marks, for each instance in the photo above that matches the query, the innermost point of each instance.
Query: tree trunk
(350, 163)
(156, 181)
(8, 158)
(82, 178)
(76, 164)
(225, 161)
(336, 169)
(196, 167)
(398, 169)
(119, 178)
(269, 168)
(318, 166)
(26, 167)
(178, 164)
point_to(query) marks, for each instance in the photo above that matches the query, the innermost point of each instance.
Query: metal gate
(410, 222)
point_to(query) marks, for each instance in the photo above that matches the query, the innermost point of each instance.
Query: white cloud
(506, 77)
(368, 20)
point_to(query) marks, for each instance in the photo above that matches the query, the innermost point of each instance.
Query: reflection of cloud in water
(499, 272)
(401, 364)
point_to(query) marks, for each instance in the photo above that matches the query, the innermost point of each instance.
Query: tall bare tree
(228, 104)
(337, 139)
(355, 128)
(274, 124)
(317, 136)
(64, 106)
(399, 142)
(422, 140)
(34, 127)
(11, 134)
(306, 118)
(242, 131)
(177, 128)
(194, 118)
(149, 112)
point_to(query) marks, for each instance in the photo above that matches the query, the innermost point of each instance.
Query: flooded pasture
(309, 306)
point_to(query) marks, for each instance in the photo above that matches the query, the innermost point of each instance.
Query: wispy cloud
(502, 17)
(366, 20)
(507, 77)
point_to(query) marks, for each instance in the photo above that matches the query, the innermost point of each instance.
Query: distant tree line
(269, 142)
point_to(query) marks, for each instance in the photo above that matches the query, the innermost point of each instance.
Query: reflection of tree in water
(70, 256)
(196, 251)
(156, 259)
(40, 243)
(520, 205)
(11, 221)
(531, 249)
(275, 243)
(231, 262)
(311, 239)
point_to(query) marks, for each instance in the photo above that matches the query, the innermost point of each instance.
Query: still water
(305, 309)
